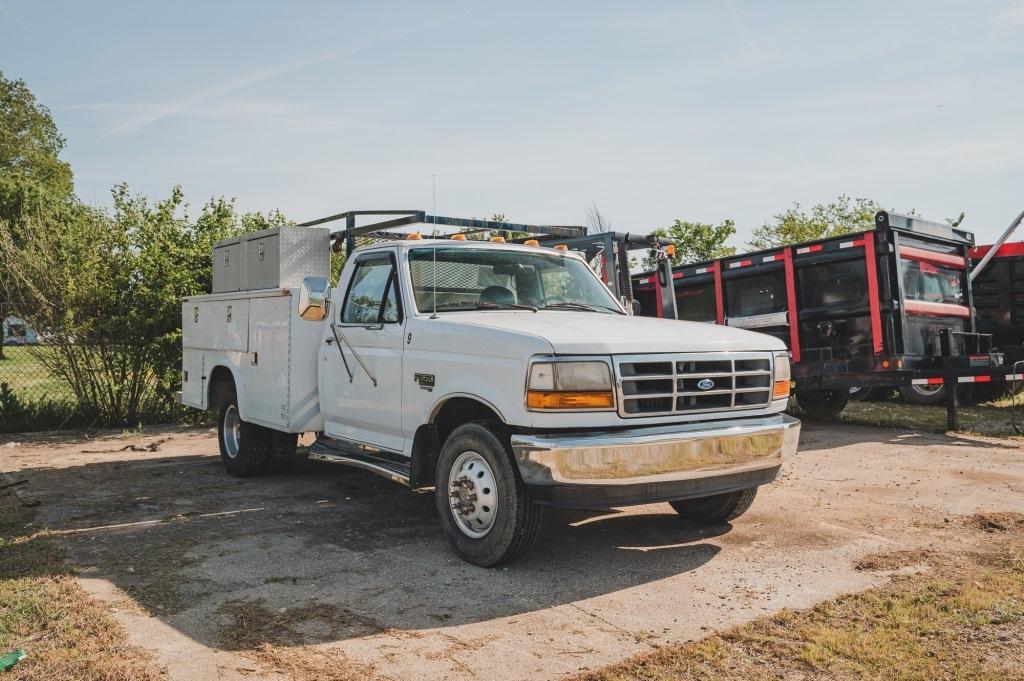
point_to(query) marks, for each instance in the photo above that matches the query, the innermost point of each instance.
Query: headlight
(783, 376)
(570, 385)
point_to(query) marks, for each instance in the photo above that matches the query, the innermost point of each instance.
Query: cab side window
(372, 296)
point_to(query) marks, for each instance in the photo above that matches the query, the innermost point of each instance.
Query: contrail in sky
(743, 29)
(203, 96)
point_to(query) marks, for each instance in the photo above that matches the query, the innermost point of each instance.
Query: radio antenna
(433, 219)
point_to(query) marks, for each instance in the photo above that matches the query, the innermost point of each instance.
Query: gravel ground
(241, 579)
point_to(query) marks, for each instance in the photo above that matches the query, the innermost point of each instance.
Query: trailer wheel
(823, 405)
(483, 506)
(858, 393)
(923, 394)
(245, 448)
(720, 508)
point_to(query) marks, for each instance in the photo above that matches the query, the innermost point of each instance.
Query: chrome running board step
(391, 465)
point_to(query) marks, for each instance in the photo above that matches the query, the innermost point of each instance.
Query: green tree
(30, 145)
(697, 241)
(31, 172)
(841, 216)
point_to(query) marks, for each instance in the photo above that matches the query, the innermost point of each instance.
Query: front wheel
(719, 508)
(483, 506)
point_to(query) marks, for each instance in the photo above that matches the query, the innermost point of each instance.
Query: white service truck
(504, 376)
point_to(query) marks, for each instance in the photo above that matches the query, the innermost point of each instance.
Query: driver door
(361, 359)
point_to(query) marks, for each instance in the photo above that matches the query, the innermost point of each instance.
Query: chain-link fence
(32, 396)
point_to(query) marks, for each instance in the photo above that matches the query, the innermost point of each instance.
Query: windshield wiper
(454, 307)
(581, 306)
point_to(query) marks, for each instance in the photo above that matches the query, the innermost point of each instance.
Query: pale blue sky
(653, 110)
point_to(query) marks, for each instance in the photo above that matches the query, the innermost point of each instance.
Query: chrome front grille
(687, 383)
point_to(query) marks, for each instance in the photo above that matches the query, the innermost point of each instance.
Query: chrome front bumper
(644, 465)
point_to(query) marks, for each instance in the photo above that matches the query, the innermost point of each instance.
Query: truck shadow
(326, 553)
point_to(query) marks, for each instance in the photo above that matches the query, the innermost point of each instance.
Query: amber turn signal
(781, 390)
(543, 399)
(458, 237)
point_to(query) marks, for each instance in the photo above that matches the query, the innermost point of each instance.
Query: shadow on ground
(352, 552)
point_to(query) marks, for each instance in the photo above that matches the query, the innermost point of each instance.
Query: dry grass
(961, 618)
(277, 638)
(992, 419)
(995, 521)
(68, 636)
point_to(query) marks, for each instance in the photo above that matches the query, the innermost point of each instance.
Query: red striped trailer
(890, 307)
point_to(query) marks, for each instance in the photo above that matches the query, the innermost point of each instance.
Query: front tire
(245, 448)
(484, 508)
(719, 508)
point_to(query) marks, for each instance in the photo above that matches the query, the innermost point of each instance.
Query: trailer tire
(245, 448)
(476, 465)
(923, 394)
(859, 393)
(823, 405)
(720, 508)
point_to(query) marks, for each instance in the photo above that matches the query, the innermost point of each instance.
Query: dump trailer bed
(999, 297)
(888, 307)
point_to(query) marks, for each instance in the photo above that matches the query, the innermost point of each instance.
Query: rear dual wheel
(248, 449)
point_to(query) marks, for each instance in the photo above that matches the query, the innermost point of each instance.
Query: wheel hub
(472, 494)
(232, 431)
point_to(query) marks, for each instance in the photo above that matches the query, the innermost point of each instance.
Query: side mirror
(313, 297)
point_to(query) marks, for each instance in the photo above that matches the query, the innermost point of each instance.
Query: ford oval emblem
(706, 384)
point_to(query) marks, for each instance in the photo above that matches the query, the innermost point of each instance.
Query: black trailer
(891, 307)
(999, 297)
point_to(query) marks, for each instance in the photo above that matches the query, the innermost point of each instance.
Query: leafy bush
(106, 288)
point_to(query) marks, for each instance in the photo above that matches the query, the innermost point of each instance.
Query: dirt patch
(251, 624)
(279, 639)
(891, 561)
(990, 521)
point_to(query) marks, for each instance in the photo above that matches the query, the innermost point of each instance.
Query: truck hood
(590, 333)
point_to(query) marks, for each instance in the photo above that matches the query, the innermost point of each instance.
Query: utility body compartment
(279, 257)
(270, 352)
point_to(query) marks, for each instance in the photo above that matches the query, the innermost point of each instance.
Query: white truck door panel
(366, 407)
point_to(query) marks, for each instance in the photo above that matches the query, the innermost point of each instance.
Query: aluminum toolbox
(279, 257)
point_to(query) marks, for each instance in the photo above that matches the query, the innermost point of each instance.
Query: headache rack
(345, 238)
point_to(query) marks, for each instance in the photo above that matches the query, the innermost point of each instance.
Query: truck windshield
(491, 278)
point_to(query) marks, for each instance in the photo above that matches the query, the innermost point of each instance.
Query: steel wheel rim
(472, 494)
(232, 431)
(927, 389)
